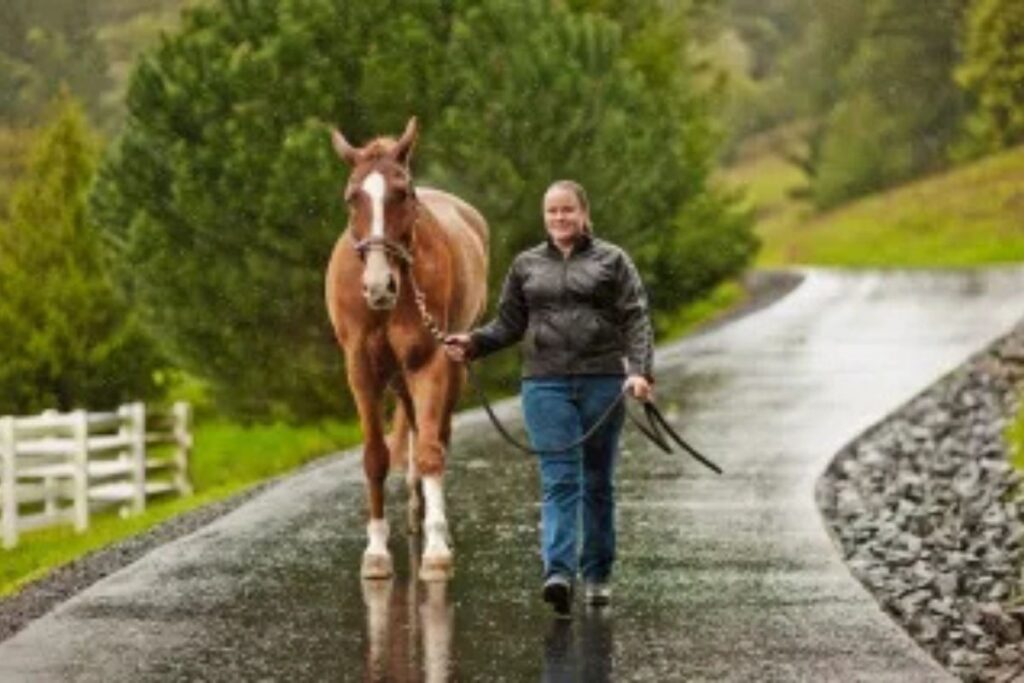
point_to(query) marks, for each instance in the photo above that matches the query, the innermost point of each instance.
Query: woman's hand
(640, 388)
(458, 347)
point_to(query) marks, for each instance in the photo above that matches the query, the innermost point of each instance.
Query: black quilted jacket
(582, 315)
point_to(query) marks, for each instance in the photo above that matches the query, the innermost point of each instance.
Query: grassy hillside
(968, 216)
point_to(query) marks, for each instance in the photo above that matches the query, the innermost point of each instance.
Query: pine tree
(222, 194)
(68, 341)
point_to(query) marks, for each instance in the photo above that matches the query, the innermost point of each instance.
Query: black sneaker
(597, 593)
(558, 592)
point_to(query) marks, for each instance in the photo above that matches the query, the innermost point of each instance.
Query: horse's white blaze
(376, 273)
(377, 533)
(375, 186)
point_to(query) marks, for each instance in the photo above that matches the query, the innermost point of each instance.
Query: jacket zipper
(565, 310)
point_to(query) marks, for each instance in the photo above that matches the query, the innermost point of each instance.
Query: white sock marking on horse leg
(412, 479)
(377, 532)
(435, 522)
(374, 186)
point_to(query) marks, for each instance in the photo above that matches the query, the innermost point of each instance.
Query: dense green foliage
(993, 73)
(68, 340)
(899, 109)
(760, 41)
(221, 196)
(887, 92)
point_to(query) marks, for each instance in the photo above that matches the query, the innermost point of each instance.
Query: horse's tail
(400, 439)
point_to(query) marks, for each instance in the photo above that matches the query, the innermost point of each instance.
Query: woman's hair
(581, 197)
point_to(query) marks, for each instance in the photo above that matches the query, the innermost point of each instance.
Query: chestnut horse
(401, 239)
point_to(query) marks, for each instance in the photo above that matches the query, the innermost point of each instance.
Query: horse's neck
(428, 237)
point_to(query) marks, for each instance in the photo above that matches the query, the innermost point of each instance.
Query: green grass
(227, 459)
(1015, 438)
(675, 325)
(969, 216)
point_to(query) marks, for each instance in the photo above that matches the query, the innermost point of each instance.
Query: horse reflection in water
(409, 633)
(408, 628)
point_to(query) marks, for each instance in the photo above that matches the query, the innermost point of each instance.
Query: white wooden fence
(57, 467)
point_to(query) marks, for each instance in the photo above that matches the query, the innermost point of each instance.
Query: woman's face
(564, 217)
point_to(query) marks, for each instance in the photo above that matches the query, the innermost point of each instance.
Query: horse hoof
(377, 566)
(436, 568)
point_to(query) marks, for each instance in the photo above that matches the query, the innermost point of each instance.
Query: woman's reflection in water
(408, 628)
(579, 650)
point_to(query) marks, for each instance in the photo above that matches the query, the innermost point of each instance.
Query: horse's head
(382, 211)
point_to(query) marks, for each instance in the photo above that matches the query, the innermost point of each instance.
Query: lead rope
(655, 418)
(435, 330)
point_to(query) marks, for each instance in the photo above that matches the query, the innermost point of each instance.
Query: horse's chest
(407, 347)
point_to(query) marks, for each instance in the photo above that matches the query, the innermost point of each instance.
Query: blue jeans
(558, 410)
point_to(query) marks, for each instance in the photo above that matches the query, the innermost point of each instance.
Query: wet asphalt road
(720, 578)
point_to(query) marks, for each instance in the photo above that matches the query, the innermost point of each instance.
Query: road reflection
(579, 650)
(408, 627)
(409, 634)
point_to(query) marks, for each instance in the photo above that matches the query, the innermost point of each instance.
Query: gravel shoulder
(927, 512)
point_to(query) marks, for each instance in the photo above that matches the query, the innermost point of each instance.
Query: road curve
(720, 578)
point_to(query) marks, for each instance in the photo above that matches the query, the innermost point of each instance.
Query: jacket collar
(583, 242)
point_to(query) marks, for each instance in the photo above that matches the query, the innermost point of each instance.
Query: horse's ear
(343, 148)
(404, 147)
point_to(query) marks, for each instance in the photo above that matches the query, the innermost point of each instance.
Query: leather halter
(388, 246)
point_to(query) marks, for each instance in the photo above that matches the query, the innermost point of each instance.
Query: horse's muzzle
(382, 294)
(384, 303)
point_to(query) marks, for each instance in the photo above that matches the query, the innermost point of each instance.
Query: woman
(581, 308)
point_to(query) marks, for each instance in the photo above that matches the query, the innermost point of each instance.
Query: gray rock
(926, 508)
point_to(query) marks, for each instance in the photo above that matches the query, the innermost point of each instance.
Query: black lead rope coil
(655, 423)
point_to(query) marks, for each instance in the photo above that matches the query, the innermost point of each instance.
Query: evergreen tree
(68, 341)
(222, 194)
(561, 102)
(993, 74)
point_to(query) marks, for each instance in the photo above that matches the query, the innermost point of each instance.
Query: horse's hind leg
(402, 455)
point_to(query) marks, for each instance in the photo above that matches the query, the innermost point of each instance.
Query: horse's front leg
(377, 562)
(434, 388)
